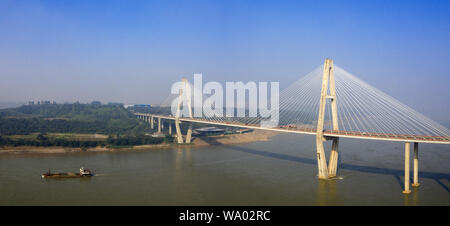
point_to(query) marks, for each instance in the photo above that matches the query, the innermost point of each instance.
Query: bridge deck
(313, 131)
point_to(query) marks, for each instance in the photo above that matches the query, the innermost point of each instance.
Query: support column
(416, 165)
(159, 125)
(332, 165)
(334, 154)
(151, 122)
(189, 134)
(184, 94)
(321, 158)
(170, 128)
(407, 168)
(177, 120)
(177, 128)
(327, 80)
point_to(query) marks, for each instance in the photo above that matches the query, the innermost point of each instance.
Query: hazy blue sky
(132, 51)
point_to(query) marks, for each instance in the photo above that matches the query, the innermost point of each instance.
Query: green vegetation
(43, 140)
(74, 125)
(71, 118)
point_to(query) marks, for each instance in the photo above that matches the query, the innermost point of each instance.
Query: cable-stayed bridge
(329, 103)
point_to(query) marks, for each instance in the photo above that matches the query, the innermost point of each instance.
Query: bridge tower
(177, 121)
(327, 80)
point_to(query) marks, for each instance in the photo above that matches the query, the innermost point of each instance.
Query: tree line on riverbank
(71, 118)
(42, 140)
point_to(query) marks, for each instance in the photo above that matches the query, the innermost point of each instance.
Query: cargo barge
(83, 173)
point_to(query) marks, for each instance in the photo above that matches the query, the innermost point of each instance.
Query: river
(282, 171)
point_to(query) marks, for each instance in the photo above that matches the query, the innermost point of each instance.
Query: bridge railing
(311, 129)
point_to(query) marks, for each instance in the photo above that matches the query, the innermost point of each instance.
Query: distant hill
(9, 104)
(70, 118)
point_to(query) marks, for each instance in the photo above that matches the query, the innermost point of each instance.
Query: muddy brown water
(281, 171)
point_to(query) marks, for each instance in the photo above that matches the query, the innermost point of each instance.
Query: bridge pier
(334, 154)
(321, 159)
(170, 128)
(407, 168)
(159, 125)
(416, 165)
(189, 134)
(152, 122)
(177, 128)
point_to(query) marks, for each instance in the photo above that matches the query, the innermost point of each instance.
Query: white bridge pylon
(328, 84)
(184, 94)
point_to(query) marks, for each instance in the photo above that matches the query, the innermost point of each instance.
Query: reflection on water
(326, 192)
(278, 172)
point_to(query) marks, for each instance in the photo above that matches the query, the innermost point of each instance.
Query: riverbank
(197, 141)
